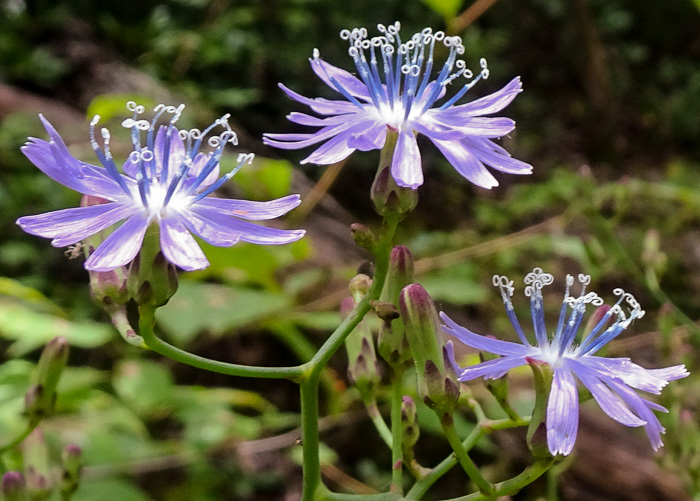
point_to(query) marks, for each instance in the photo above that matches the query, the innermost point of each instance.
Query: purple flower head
(396, 90)
(166, 180)
(612, 381)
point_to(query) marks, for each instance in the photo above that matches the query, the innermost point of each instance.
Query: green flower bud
(422, 324)
(390, 200)
(36, 466)
(359, 286)
(392, 343)
(13, 486)
(363, 236)
(71, 461)
(409, 423)
(40, 399)
(363, 369)
(152, 279)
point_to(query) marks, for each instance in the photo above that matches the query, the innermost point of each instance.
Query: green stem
(448, 427)
(310, 437)
(512, 485)
(396, 433)
(377, 419)
(421, 486)
(310, 375)
(146, 328)
(19, 438)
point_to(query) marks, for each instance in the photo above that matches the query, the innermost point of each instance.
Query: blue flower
(395, 92)
(612, 381)
(166, 181)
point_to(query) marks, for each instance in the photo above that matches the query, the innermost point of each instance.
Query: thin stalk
(512, 485)
(396, 433)
(377, 419)
(19, 438)
(482, 428)
(448, 427)
(146, 328)
(310, 437)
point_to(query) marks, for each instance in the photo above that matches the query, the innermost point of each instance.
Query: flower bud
(40, 399)
(13, 486)
(421, 322)
(363, 236)
(36, 466)
(392, 201)
(152, 279)
(409, 423)
(359, 286)
(363, 370)
(392, 344)
(71, 462)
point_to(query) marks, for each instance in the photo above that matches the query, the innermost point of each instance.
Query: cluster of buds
(37, 483)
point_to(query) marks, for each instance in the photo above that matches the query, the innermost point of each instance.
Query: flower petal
(253, 211)
(493, 102)
(492, 369)
(468, 165)
(54, 160)
(611, 404)
(643, 408)
(214, 224)
(179, 246)
(69, 226)
(121, 246)
(406, 164)
(347, 81)
(484, 150)
(491, 345)
(320, 105)
(562, 413)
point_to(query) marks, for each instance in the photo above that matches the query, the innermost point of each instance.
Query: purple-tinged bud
(392, 201)
(40, 399)
(363, 369)
(392, 343)
(422, 326)
(13, 486)
(359, 286)
(36, 466)
(152, 279)
(363, 236)
(72, 463)
(107, 288)
(409, 423)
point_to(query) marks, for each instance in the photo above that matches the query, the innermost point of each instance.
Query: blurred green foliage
(609, 118)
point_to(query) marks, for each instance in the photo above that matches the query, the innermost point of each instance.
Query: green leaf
(457, 284)
(263, 180)
(144, 385)
(109, 106)
(30, 329)
(112, 489)
(446, 8)
(218, 309)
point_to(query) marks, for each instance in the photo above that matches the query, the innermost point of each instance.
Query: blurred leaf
(144, 385)
(249, 263)
(446, 8)
(30, 329)
(214, 308)
(319, 320)
(111, 489)
(109, 106)
(457, 284)
(264, 179)
(17, 290)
